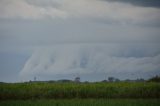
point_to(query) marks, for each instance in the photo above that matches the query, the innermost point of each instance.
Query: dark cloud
(60, 38)
(143, 3)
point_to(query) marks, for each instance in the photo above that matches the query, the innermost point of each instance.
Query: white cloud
(119, 12)
(21, 9)
(86, 59)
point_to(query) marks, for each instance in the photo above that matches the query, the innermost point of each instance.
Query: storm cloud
(59, 38)
(143, 3)
(91, 9)
(84, 59)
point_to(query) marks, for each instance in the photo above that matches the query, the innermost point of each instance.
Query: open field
(84, 102)
(24, 91)
(80, 94)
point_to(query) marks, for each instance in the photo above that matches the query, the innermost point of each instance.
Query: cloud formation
(91, 9)
(143, 3)
(117, 37)
(88, 59)
(22, 9)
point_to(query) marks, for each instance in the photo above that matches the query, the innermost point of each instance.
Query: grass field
(25, 91)
(84, 102)
(80, 94)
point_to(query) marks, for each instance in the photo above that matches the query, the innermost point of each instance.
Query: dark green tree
(154, 79)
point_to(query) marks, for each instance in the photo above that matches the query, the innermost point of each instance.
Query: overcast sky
(93, 39)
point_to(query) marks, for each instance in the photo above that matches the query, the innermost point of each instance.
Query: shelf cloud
(88, 59)
(57, 38)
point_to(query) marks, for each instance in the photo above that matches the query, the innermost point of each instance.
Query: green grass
(23, 91)
(84, 102)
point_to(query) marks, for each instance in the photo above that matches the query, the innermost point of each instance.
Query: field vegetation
(83, 102)
(44, 90)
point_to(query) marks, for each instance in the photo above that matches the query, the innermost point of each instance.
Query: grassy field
(83, 102)
(24, 91)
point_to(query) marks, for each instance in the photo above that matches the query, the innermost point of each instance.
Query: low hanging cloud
(85, 59)
(91, 9)
(117, 37)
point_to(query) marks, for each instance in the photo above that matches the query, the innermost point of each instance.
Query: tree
(117, 80)
(77, 79)
(110, 79)
(155, 79)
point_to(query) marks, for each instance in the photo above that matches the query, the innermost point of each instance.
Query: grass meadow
(80, 94)
(83, 102)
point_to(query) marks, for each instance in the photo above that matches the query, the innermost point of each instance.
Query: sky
(93, 39)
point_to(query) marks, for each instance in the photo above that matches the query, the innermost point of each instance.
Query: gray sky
(93, 39)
